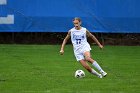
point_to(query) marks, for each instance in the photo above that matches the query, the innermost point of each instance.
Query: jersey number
(78, 41)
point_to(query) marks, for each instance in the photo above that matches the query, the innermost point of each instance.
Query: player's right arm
(64, 43)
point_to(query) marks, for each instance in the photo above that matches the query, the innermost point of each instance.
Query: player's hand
(101, 47)
(61, 52)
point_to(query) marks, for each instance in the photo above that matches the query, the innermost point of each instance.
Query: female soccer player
(82, 48)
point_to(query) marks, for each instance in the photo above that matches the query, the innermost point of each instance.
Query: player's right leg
(87, 67)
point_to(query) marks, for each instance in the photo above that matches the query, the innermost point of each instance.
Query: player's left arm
(94, 38)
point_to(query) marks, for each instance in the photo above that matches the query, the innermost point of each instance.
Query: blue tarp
(108, 16)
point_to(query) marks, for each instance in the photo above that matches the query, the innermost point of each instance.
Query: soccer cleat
(103, 74)
(100, 76)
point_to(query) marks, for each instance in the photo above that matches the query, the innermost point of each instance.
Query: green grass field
(40, 69)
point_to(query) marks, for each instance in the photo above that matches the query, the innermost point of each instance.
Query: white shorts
(79, 54)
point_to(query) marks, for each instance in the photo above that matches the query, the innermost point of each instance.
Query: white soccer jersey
(79, 41)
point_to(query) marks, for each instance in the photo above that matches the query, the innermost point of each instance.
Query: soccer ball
(79, 74)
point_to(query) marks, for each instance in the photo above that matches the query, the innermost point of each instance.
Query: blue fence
(108, 16)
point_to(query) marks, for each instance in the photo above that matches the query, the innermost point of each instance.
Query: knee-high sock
(97, 66)
(94, 72)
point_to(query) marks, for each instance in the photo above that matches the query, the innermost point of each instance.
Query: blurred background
(113, 22)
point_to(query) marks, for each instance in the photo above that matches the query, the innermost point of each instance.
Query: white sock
(96, 65)
(95, 73)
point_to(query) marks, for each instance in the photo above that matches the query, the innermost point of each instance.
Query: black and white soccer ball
(79, 74)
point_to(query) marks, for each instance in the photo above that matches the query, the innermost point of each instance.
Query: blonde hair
(77, 18)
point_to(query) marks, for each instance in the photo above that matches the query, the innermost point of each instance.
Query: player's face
(76, 24)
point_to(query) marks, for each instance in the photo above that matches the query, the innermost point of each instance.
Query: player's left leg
(91, 70)
(94, 63)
